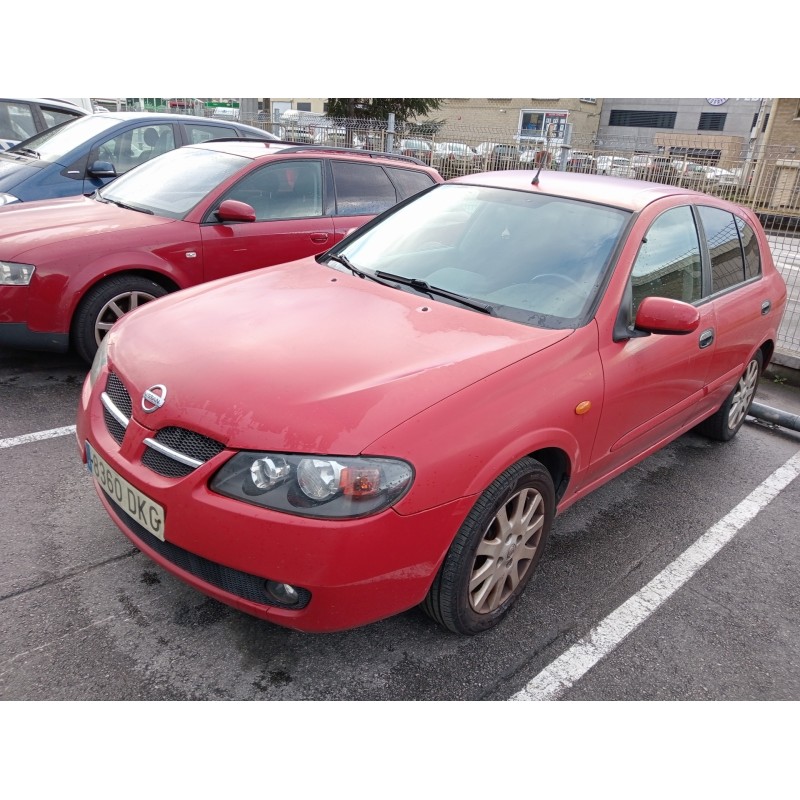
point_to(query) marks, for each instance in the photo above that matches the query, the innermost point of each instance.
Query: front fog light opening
(282, 593)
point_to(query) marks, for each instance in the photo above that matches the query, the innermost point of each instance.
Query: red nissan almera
(331, 441)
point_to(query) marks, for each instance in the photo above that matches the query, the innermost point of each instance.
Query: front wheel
(104, 304)
(495, 551)
(725, 423)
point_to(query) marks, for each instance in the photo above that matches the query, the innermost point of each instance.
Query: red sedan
(398, 421)
(69, 268)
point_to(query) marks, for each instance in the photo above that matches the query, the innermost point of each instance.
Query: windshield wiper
(124, 205)
(426, 288)
(346, 262)
(28, 152)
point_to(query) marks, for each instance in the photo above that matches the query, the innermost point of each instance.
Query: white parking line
(572, 665)
(36, 437)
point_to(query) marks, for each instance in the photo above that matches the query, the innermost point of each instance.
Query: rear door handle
(765, 307)
(319, 237)
(706, 338)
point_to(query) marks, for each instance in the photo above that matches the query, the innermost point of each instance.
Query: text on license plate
(149, 514)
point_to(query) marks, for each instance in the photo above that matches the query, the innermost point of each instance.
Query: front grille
(234, 581)
(114, 428)
(119, 396)
(116, 390)
(187, 443)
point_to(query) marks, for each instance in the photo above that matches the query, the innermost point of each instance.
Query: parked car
(581, 162)
(496, 156)
(417, 148)
(615, 165)
(717, 176)
(86, 154)
(398, 420)
(455, 158)
(21, 118)
(689, 173)
(655, 168)
(69, 268)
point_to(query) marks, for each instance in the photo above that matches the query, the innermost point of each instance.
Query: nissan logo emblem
(154, 397)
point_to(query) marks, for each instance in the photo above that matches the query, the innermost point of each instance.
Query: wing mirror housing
(102, 169)
(666, 316)
(235, 211)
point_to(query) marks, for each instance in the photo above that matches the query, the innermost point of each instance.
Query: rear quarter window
(409, 181)
(752, 256)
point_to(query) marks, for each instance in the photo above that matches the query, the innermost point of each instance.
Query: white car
(21, 118)
(615, 165)
(722, 177)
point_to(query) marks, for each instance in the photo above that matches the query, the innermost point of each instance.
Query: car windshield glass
(536, 259)
(174, 183)
(53, 144)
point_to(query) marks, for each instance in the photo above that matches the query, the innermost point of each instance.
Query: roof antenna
(544, 154)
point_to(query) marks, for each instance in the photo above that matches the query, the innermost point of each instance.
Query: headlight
(314, 486)
(12, 274)
(100, 360)
(7, 199)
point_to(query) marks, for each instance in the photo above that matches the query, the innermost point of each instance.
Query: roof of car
(258, 148)
(624, 193)
(125, 116)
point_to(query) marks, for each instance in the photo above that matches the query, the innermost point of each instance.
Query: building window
(711, 121)
(304, 106)
(642, 119)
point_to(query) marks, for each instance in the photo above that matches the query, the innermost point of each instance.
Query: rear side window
(752, 258)
(361, 188)
(197, 133)
(55, 116)
(409, 181)
(722, 236)
(16, 121)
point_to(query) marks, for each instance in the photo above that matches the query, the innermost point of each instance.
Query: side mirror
(102, 169)
(235, 211)
(666, 316)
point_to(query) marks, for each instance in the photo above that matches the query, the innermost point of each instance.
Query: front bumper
(354, 571)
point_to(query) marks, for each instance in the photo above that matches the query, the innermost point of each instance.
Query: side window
(722, 236)
(752, 257)
(288, 190)
(16, 121)
(361, 188)
(55, 116)
(668, 263)
(197, 133)
(409, 181)
(134, 146)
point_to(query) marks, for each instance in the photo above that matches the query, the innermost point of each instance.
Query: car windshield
(535, 259)
(53, 144)
(172, 184)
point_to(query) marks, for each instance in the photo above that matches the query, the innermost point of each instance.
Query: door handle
(706, 338)
(319, 237)
(765, 307)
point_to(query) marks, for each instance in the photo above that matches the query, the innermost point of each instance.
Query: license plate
(149, 514)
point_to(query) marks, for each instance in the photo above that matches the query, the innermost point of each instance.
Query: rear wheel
(725, 424)
(104, 304)
(495, 551)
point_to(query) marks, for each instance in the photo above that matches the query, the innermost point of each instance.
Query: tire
(495, 551)
(104, 304)
(725, 423)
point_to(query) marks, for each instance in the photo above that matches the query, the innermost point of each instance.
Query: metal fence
(765, 179)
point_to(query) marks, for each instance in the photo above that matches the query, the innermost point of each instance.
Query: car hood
(303, 358)
(26, 226)
(15, 169)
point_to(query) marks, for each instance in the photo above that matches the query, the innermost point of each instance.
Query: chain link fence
(765, 179)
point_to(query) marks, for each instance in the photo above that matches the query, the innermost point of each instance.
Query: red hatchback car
(69, 268)
(398, 420)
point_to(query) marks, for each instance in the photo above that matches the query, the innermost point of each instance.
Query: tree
(379, 108)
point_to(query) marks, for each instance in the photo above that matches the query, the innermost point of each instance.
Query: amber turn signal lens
(583, 407)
